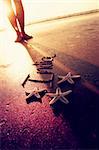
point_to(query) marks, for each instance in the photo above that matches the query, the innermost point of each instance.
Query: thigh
(18, 3)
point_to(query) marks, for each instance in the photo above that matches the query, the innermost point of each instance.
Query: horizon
(48, 9)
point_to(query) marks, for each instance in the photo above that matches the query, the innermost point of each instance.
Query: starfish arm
(54, 100)
(75, 76)
(70, 80)
(58, 91)
(37, 95)
(31, 94)
(64, 100)
(62, 80)
(51, 94)
(36, 89)
(68, 74)
(66, 93)
(60, 77)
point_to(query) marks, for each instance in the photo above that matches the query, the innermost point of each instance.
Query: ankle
(23, 33)
(18, 34)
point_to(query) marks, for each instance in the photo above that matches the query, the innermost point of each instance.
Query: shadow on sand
(84, 101)
(81, 112)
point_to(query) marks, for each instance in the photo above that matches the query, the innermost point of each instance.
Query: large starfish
(59, 95)
(69, 77)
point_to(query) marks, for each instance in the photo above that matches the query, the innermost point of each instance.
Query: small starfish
(59, 95)
(69, 77)
(36, 94)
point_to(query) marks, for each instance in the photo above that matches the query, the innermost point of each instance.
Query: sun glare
(14, 58)
(44, 9)
(4, 10)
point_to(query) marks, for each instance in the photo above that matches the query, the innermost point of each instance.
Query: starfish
(69, 77)
(36, 94)
(59, 95)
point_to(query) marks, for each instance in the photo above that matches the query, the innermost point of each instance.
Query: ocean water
(36, 10)
(42, 9)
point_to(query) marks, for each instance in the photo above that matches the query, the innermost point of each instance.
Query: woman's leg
(12, 18)
(20, 17)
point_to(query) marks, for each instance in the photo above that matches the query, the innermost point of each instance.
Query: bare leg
(20, 17)
(19, 13)
(13, 19)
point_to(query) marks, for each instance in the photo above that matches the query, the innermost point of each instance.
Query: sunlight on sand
(14, 58)
(15, 61)
(3, 16)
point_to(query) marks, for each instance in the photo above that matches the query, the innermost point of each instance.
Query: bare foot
(19, 39)
(26, 37)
